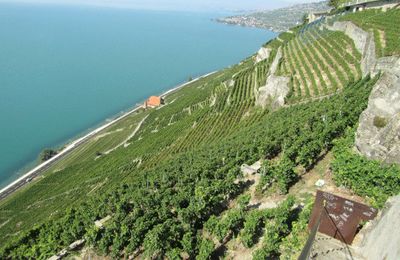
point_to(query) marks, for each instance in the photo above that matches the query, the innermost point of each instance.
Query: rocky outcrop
(378, 134)
(263, 54)
(364, 43)
(274, 92)
(276, 88)
(381, 237)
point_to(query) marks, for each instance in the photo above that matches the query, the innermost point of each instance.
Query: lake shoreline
(70, 146)
(59, 84)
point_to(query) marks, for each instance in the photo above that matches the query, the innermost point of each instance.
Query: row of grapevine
(232, 103)
(307, 66)
(298, 69)
(317, 66)
(275, 230)
(338, 52)
(161, 209)
(330, 55)
(289, 69)
(319, 62)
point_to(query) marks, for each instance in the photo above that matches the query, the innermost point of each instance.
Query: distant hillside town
(278, 20)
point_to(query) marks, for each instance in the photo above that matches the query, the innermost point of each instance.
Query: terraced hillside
(168, 182)
(319, 62)
(382, 25)
(223, 101)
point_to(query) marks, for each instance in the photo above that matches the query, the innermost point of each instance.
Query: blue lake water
(64, 70)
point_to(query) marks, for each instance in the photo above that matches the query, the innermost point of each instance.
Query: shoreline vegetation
(69, 146)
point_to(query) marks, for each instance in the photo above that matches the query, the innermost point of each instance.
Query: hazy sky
(203, 5)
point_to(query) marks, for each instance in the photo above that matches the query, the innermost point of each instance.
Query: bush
(292, 245)
(365, 177)
(244, 200)
(206, 248)
(282, 175)
(380, 122)
(276, 230)
(47, 154)
(252, 227)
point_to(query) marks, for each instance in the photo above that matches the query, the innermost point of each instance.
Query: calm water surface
(64, 70)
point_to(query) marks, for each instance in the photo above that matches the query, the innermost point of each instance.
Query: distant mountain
(278, 20)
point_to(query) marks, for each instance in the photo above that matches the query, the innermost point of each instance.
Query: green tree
(334, 3)
(47, 154)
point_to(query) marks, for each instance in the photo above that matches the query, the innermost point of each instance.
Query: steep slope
(377, 135)
(316, 61)
(380, 24)
(158, 205)
(174, 187)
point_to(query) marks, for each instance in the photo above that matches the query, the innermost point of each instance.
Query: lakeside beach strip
(39, 169)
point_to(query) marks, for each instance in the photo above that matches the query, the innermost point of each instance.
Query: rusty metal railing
(305, 253)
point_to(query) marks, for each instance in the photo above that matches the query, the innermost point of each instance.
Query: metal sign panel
(340, 217)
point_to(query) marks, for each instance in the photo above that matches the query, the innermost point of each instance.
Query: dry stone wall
(381, 237)
(364, 43)
(263, 54)
(276, 87)
(378, 134)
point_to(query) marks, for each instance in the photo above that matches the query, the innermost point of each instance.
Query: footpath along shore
(38, 170)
